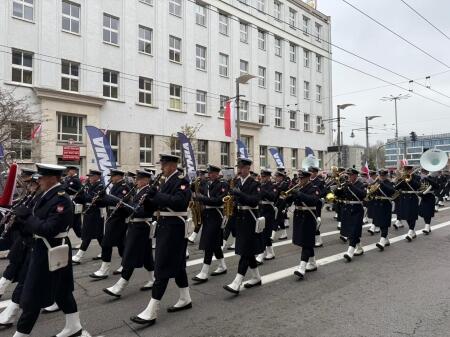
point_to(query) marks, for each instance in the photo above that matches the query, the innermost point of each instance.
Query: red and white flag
(230, 118)
(36, 132)
(365, 168)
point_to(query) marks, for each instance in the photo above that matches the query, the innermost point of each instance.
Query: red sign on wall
(71, 153)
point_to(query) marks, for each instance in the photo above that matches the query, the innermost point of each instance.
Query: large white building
(143, 69)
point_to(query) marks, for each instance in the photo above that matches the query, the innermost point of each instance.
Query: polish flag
(365, 168)
(36, 132)
(230, 118)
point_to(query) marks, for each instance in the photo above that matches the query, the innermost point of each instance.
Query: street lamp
(339, 108)
(243, 79)
(368, 118)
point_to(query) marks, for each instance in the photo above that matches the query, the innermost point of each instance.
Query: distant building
(395, 151)
(352, 156)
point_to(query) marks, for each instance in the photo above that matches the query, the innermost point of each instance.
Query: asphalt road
(403, 291)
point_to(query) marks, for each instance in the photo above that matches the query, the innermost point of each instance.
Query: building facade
(146, 69)
(405, 148)
(351, 155)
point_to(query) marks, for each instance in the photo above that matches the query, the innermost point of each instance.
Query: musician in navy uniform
(170, 201)
(138, 242)
(320, 185)
(115, 226)
(408, 201)
(282, 184)
(306, 200)
(352, 194)
(49, 221)
(428, 199)
(203, 187)
(212, 215)
(248, 243)
(381, 204)
(269, 195)
(72, 186)
(93, 217)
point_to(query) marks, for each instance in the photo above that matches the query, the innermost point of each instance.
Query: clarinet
(97, 196)
(158, 180)
(120, 202)
(10, 217)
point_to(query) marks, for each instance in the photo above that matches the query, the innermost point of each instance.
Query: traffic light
(413, 136)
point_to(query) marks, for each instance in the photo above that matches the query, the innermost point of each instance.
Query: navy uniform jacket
(51, 215)
(320, 186)
(92, 219)
(382, 205)
(171, 243)
(72, 185)
(428, 201)
(212, 235)
(247, 241)
(269, 193)
(352, 214)
(407, 207)
(281, 204)
(138, 244)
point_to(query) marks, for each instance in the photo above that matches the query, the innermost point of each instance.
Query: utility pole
(339, 136)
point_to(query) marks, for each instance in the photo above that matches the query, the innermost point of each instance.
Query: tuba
(434, 160)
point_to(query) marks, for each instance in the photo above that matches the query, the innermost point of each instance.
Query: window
(23, 9)
(174, 49)
(247, 140)
(110, 83)
(145, 149)
(22, 67)
(175, 7)
(306, 58)
(200, 15)
(223, 102)
(262, 77)
(244, 32)
(243, 66)
(145, 40)
(319, 124)
(114, 141)
(277, 9)
(20, 141)
(293, 119)
(70, 76)
(201, 102)
(278, 81)
(293, 86)
(70, 128)
(318, 93)
(223, 24)
(70, 17)
(292, 52)
(224, 154)
(243, 110)
(110, 29)
(145, 90)
(175, 148)
(263, 156)
(306, 90)
(278, 44)
(260, 5)
(200, 57)
(292, 17)
(305, 25)
(175, 97)
(306, 124)
(278, 117)
(318, 32)
(261, 40)
(262, 114)
(202, 152)
(318, 63)
(294, 158)
(223, 65)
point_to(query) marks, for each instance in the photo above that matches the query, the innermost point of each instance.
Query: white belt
(246, 208)
(264, 202)
(213, 207)
(303, 208)
(408, 192)
(61, 235)
(88, 204)
(352, 202)
(141, 220)
(177, 214)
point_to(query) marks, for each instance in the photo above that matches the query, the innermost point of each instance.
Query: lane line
(289, 272)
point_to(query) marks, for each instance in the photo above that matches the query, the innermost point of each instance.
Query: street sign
(71, 153)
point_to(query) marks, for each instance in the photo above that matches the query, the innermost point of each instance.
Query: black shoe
(380, 246)
(95, 258)
(5, 325)
(408, 238)
(175, 309)
(219, 273)
(359, 254)
(347, 257)
(199, 280)
(283, 238)
(145, 288)
(249, 285)
(76, 334)
(115, 272)
(311, 270)
(231, 290)
(270, 258)
(258, 263)
(371, 232)
(426, 232)
(230, 248)
(299, 275)
(97, 277)
(75, 263)
(45, 311)
(138, 320)
(110, 293)
(343, 238)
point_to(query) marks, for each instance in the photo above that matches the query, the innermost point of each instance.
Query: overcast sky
(355, 32)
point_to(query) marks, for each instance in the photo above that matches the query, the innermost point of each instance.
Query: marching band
(136, 211)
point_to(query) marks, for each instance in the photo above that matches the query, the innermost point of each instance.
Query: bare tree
(190, 132)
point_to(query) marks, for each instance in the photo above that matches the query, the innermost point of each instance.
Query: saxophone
(228, 201)
(195, 206)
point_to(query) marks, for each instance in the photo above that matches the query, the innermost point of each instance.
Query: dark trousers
(128, 271)
(76, 226)
(107, 252)
(160, 285)
(353, 241)
(427, 220)
(411, 224)
(268, 241)
(209, 254)
(307, 252)
(28, 318)
(11, 271)
(245, 262)
(384, 232)
(85, 243)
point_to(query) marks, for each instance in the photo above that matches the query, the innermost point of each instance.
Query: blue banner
(102, 150)
(242, 150)
(308, 151)
(277, 157)
(188, 154)
(2, 151)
